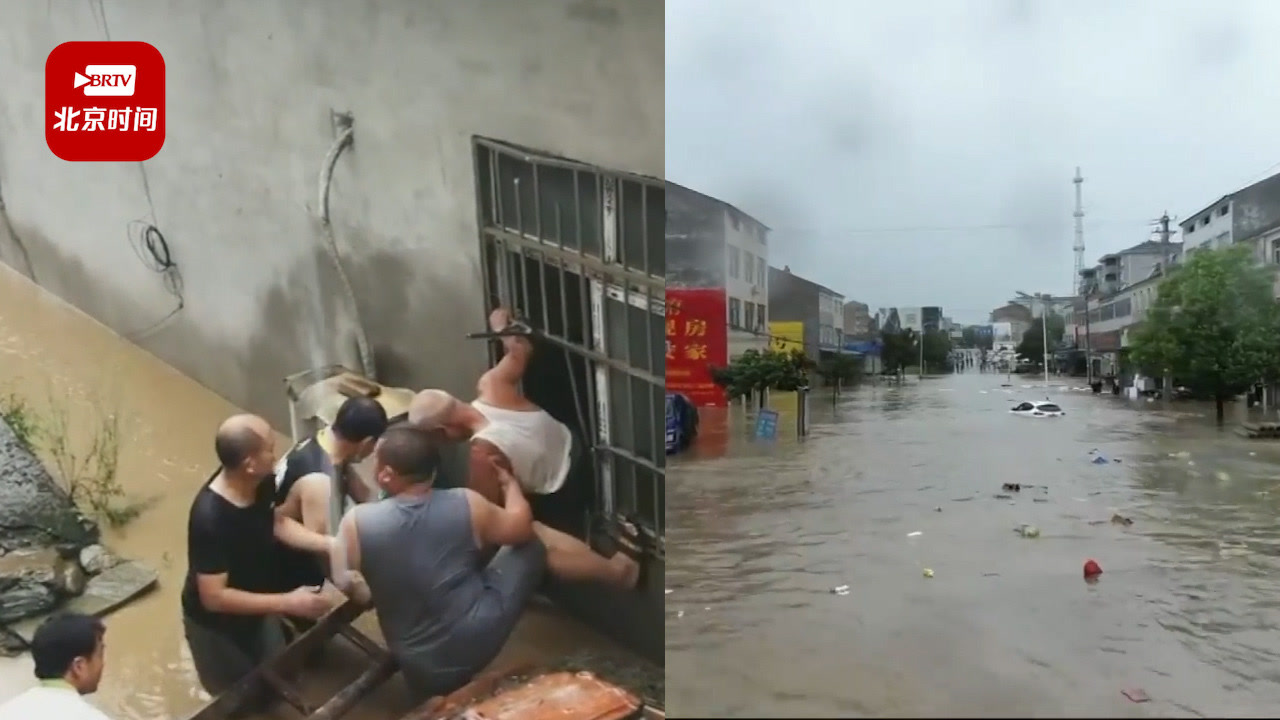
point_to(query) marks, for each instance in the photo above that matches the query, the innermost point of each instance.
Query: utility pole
(920, 370)
(1044, 337)
(1167, 381)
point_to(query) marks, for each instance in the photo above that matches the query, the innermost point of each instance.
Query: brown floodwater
(897, 480)
(60, 360)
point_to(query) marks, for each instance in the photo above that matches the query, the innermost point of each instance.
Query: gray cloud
(922, 152)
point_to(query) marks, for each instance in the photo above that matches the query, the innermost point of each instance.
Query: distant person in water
(508, 433)
(304, 480)
(421, 557)
(233, 599)
(69, 654)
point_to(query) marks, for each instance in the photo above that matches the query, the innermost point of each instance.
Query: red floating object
(1092, 568)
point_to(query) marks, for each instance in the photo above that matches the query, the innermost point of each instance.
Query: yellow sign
(786, 336)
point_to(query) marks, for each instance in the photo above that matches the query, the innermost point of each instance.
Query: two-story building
(820, 309)
(712, 244)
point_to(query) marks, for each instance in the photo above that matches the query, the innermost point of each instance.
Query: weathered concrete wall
(695, 235)
(251, 86)
(1256, 209)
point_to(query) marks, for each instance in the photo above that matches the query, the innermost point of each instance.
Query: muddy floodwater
(56, 358)
(897, 481)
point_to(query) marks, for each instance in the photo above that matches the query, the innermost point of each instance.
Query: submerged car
(1037, 409)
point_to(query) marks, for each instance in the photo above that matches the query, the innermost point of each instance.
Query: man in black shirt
(304, 479)
(231, 601)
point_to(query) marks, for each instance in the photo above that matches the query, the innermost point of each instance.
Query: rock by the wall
(34, 510)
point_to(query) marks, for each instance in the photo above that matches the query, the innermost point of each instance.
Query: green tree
(841, 369)
(1032, 345)
(971, 338)
(1213, 325)
(937, 351)
(755, 372)
(898, 350)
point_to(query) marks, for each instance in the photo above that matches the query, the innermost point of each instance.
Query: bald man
(505, 428)
(232, 600)
(508, 433)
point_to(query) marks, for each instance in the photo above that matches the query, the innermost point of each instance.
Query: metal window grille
(579, 251)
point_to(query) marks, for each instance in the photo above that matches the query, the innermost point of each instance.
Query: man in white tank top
(508, 431)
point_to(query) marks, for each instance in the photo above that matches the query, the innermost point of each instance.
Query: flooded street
(897, 480)
(58, 359)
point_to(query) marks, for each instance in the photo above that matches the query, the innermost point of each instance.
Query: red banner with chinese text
(697, 340)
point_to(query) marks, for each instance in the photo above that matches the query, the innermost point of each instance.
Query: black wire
(153, 252)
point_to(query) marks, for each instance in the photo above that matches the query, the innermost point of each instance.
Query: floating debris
(927, 573)
(917, 533)
(1092, 569)
(840, 590)
(1137, 695)
(1119, 519)
(1028, 531)
(1222, 476)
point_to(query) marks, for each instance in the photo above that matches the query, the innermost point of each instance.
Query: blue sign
(767, 425)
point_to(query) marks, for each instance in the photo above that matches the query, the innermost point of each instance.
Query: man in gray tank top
(417, 556)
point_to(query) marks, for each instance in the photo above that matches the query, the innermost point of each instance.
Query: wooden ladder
(273, 671)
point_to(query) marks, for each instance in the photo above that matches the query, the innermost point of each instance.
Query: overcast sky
(921, 153)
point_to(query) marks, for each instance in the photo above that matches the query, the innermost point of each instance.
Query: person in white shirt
(69, 652)
(508, 432)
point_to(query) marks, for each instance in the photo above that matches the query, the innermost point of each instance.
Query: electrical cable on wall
(368, 366)
(153, 252)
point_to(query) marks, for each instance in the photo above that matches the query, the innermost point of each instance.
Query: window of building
(748, 267)
(578, 252)
(733, 218)
(750, 323)
(1204, 220)
(735, 261)
(760, 272)
(735, 312)
(761, 321)
(1275, 251)
(762, 234)
(1222, 211)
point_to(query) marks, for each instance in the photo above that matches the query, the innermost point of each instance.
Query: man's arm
(345, 560)
(516, 351)
(210, 563)
(296, 535)
(510, 524)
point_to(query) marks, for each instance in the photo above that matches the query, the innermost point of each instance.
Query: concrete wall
(1209, 228)
(794, 298)
(251, 87)
(857, 320)
(1255, 209)
(749, 285)
(695, 233)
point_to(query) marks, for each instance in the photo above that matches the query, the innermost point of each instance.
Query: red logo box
(104, 101)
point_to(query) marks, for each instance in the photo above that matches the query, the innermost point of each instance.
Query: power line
(829, 229)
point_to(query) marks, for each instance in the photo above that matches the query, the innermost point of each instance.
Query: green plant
(20, 418)
(756, 372)
(841, 369)
(89, 476)
(1215, 325)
